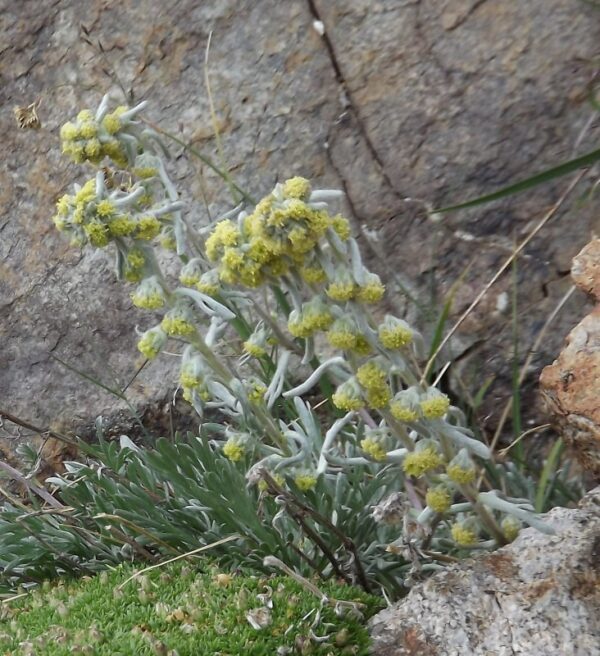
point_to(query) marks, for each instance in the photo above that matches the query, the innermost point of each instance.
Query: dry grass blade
(215, 123)
(229, 538)
(39, 491)
(503, 268)
(532, 351)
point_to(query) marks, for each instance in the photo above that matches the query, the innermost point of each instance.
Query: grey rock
(432, 100)
(539, 596)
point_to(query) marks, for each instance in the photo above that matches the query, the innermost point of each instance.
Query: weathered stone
(427, 99)
(586, 269)
(539, 596)
(571, 385)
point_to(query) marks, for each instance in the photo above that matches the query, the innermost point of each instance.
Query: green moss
(179, 610)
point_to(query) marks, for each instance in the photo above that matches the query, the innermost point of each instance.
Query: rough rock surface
(540, 596)
(571, 385)
(430, 99)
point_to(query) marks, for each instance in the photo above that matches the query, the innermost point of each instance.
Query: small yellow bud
(438, 498)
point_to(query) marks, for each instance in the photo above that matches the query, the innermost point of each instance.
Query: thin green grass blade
(482, 391)
(114, 392)
(545, 176)
(517, 422)
(438, 333)
(91, 379)
(225, 176)
(548, 470)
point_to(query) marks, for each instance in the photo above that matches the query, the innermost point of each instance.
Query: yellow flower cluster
(459, 475)
(233, 450)
(438, 498)
(256, 390)
(178, 322)
(313, 316)
(263, 486)
(343, 288)
(403, 411)
(87, 140)
(253, 349)
(463, 534)
(421, 460)
(434, 404)
(343, 334)
(282, 232)
(151, 342)
(374, 380)
(88, 218)
(305, 481)
(150, 295)
(394, 333)
(348, 396)
(374, 448)
(511, 527)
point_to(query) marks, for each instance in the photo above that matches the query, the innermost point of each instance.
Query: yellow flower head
(313, 274)
(434, 404)
(372, 375)
(88, 130)
(263, 486)
(178, 322)
(372, 290)
(341, 227)
(69, 132)
(151, 342)
(362, 346)
(378, 397)
(63, 205)
(97, 234)
(225, 233)
(193, 370)
(191, 272)
(167, 239)
(256, 390)
(112, 123)
(461, 469)
(342, 287)
(93, 149)
(313, 316)
(116, 152)
(373, 448)
(85, 115)
(60, 222)
(464, 533)
(148, 227)
(121, 225)
(394, 333)
(439, 498)
(209, 283)
(296, 188)
(86, 193)
(343, 333)
(511, 527)
(145, 172)
(423, 459)
(254, 349)
(149, 295)
(233, 450)
(348, 396)
(105, 208)
(301, 241)
(305, 480)
(75, 151)
(405, 406)
(136, 258)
